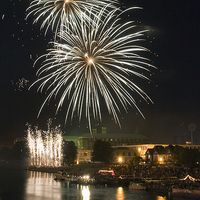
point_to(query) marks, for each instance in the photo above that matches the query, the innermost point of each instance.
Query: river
(33, 185)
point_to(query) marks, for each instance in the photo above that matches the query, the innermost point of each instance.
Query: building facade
(125, 147)
(119, 142)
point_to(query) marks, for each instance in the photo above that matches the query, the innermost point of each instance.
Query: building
(122, 154)
(85, 143)
(158, 155)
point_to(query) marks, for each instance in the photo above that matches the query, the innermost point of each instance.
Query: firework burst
(55, 14)
(92, 62)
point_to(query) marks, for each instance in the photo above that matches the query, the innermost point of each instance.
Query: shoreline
(80, 169)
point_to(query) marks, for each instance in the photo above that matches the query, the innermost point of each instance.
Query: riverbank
(80, 169)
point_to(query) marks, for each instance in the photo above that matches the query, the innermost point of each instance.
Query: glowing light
(90, 61)
(45, 148)
(139, 149)
(114, 50)
(120, 159)
(161, 198)
(120, 194)
(161, 159)
(86, 193)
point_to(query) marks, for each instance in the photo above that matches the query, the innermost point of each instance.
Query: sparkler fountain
(45, 147)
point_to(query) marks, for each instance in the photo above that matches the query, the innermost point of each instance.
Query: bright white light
(45, 148)
(90, 61)
(86, 193)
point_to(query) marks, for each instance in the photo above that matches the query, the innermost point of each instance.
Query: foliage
(20, 150)
(102, 151)
(69, 152)
(185, 156)
(135, 160)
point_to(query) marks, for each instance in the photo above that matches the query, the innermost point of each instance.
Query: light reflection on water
(86, 192)
(42, 186)
(120, 193)
(32, 185)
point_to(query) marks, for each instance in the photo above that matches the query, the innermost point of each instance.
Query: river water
(32, 185)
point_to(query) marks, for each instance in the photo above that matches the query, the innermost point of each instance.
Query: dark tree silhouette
(20, 150)
(102, 151)
(69, 152)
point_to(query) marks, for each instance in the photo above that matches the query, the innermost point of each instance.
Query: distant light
(119, 159)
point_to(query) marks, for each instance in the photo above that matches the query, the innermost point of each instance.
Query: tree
(102, 151)
(69, 152)
(135, 160)
(20, 150)
(186, 156)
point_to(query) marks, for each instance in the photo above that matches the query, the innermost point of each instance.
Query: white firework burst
(55, 14)
(94, 61)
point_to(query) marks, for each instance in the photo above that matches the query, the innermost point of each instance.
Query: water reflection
(161, 198)
(120, 193)
(42, 185)
(86, 193)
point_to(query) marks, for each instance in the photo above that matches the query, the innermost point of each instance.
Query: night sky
(175, 44)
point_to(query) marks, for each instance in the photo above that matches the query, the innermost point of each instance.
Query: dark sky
(175, 46)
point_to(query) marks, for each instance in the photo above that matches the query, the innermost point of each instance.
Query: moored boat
(137, 186)
(60, 175)
(186, 193)
(187, 187)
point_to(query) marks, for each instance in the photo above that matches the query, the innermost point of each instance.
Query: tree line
(102, 152)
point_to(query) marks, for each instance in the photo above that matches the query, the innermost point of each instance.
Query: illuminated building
(85, 143)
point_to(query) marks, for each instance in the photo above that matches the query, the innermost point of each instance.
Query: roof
(71, 138)
(111, 135)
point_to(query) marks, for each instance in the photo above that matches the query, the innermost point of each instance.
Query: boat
(137, 186)
(187, 187)
(186, 193)
(60, 176)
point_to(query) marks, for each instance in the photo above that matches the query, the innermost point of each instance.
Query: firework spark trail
(45, 147)
(93, 61)
(55, 14)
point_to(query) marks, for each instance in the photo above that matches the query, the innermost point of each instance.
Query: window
(129, 153)
(85, 153)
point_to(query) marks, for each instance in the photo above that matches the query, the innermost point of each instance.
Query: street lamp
(160, 160)
(120, 160)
